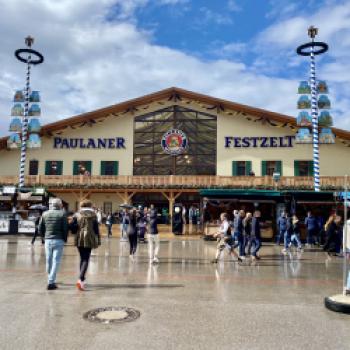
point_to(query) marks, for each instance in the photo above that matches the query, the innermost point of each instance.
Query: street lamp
(312, 49)
(30, 57)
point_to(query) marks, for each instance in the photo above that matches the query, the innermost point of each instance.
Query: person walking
(184, 221)
(238, 228)
(153, 236)
(312, 229)
(54, 227)
(255, 236)
(295, 237)
(281, 227)
(247, 229)
(36, 232)
(224, 239)
(142, 225)
(132, 233)
(287, 234)
(333, 235)
(109, 224)
(86, 239)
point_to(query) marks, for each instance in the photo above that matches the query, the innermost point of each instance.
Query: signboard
(4, 226)
(174, 142)
(26, 226)
(103, 143)
(259, 141)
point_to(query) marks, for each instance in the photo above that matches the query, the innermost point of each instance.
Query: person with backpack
(87, 238)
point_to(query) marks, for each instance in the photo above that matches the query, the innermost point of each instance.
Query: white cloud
(233, 6)
(206, 15)
(91, 63)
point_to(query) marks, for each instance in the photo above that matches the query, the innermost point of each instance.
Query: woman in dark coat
(153, 220)
(132, 233)
(333, 234)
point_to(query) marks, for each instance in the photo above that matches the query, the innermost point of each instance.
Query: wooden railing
(175, 181)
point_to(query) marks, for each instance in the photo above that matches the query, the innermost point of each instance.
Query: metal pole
(314, 114)
(345, 233)
(25, 127)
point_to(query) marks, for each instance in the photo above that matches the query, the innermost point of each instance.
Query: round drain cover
(112, 314)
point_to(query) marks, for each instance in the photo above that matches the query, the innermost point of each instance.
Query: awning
(236, 193)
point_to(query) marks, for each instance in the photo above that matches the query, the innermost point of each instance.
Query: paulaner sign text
(110, 143)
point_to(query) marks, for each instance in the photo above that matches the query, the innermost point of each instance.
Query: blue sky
(99, 53)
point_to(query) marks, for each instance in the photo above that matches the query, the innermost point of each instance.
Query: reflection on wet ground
(185, 299)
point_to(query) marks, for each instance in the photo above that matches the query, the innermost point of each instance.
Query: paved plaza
(185, 302)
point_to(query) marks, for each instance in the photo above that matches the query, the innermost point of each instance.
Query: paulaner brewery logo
(174, 142)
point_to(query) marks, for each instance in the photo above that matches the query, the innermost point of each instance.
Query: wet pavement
(185, 301)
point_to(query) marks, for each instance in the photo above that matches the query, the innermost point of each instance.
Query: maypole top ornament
(319, 47)
(38, 57)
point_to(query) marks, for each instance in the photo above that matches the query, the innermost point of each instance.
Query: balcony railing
(175, 181)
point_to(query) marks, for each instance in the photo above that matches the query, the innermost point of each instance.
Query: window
(271, 166)
(109, 167)
(82, 167)
(303, 168)
(200, 129)
(241, 168)
(53, 167)
(33, 167)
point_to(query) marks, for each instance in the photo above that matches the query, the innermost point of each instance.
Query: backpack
(86, 236)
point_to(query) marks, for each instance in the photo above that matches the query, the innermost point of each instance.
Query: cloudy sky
(101, 52)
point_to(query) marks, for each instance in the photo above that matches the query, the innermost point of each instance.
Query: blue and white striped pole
(314, 114)
(25, 127)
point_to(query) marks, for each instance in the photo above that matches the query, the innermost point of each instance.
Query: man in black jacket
(54, 226)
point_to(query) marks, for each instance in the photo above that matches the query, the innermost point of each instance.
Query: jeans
(153, 243)
(286, 239)
(109, 230)
(280, 236)
(84, 261)
(255, 245)
(295, 238)
(312, 236)
(53, 251)
(238, 236)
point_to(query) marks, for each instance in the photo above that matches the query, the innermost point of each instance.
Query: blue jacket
(311, 223)
(238, 224)
(282, 223)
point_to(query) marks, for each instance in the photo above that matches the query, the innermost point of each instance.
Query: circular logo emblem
(174, 142)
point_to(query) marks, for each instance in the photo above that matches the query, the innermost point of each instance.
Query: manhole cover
(112, 314)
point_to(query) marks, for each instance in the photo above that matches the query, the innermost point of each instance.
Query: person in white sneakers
(224, 239)
(86, 239)
(153, 237)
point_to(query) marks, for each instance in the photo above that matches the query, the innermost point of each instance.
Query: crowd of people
(240, 237)
(53, 226)
(243, 232)
(327, 234)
